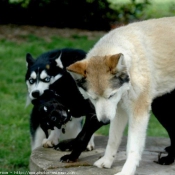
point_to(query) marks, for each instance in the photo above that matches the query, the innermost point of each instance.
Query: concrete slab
(46, 160)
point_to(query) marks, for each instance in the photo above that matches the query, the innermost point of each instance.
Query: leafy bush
(134, 10)
(84, 14)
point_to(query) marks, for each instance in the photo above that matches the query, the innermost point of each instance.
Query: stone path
(46, 160)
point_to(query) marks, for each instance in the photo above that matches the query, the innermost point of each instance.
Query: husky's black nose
(36, 94)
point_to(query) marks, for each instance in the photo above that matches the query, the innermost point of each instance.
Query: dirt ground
(18, 33)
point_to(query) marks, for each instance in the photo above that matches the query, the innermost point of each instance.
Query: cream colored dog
(121, 75)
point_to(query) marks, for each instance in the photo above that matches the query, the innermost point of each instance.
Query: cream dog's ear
(115, 62)
(121, 66)
(78, 69)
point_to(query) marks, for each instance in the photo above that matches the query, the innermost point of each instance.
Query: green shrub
(131, 11)
(84, 14)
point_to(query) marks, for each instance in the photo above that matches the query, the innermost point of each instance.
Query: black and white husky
(48, 72)
(48, 68)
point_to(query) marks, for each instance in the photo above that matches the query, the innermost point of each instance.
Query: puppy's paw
(49, 143)
(65, 145)
(90, 147)
(68, 158)
(103, 163)
(91, 144)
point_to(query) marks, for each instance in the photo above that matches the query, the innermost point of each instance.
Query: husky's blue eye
(47, 79)
(31, 81)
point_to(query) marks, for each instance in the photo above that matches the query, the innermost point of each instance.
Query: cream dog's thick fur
(121, 75)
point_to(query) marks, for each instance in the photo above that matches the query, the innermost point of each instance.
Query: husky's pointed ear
(78, 69)
(58, 61)
(29, 60)
(115, 62)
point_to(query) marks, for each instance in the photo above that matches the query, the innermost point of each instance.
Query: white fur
(91, 144)
(43, 74)
(53, 79)
(58, 61)
(38, 138)
(121, 64)
(83, 93)
(117, 126)
(106, 107)
(39, 85)
(33, 75)
(52, 139)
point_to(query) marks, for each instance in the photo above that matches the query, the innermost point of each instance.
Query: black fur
(73, 100)
(68, 56)
(163, 109)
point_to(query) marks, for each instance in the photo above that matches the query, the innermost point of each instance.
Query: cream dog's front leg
(138, 122)
(117, 126)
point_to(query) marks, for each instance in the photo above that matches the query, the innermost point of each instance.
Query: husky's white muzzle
(37, 89)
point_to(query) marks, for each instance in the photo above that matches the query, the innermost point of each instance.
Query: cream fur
(148, 50)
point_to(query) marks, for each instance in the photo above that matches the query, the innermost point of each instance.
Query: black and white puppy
(48, 71)
(50, 113)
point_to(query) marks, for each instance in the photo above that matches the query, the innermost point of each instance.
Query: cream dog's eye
(111, 95)
(92, 96)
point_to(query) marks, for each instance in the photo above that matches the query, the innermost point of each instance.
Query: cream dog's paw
(103, 163)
